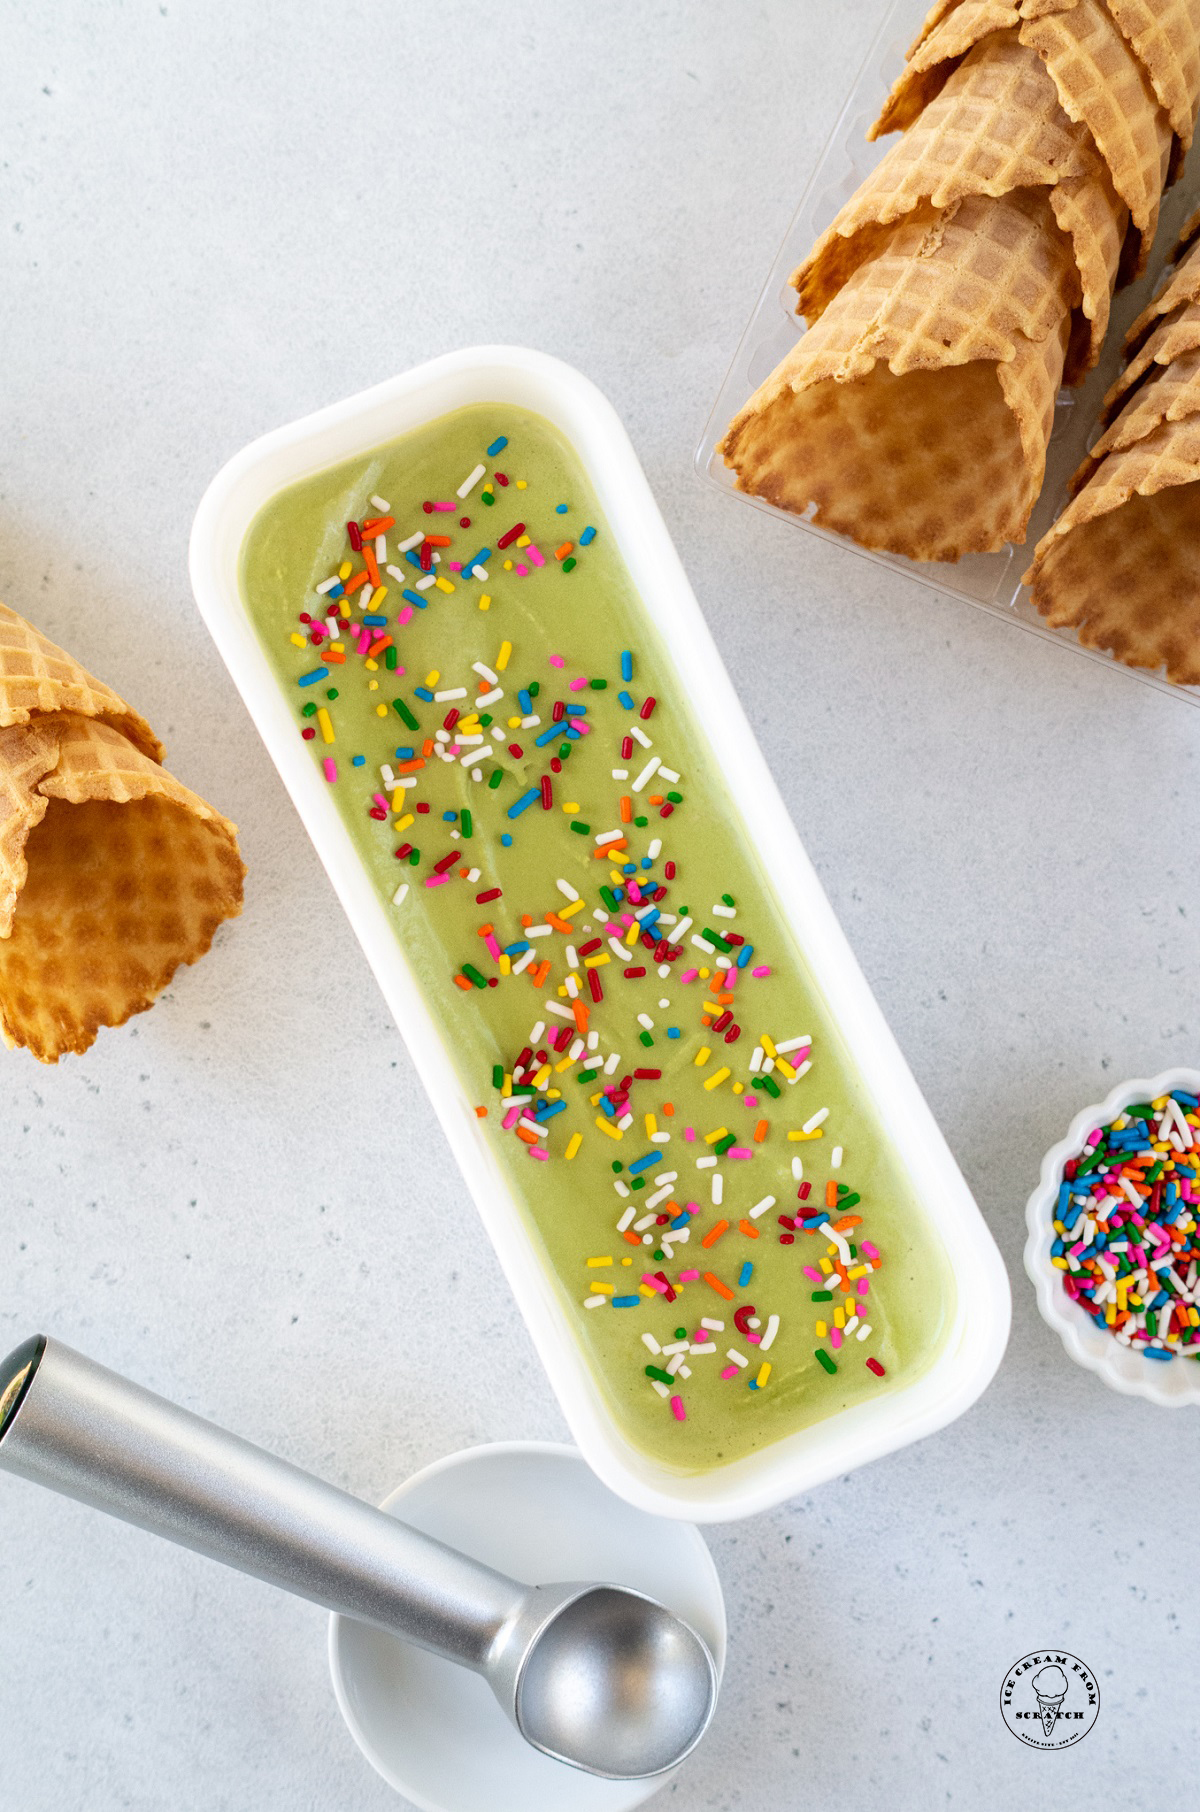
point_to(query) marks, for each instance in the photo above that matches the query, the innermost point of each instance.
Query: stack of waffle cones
(972, 272)
(1122, 563)
(111, 872)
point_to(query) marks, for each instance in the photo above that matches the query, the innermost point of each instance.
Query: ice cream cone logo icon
(1050, 1685)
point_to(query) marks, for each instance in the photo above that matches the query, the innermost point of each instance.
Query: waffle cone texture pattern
(112, 873)
(1121, 565)
(972, 271)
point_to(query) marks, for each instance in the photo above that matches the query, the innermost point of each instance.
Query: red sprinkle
(405, 849)
(547, 792)
(451, 718)
(873, 1365)
(514, 748)
(634, 973)
(464, 522)
(647, 709)
(425, 555)
(355, 534)
(646, 1075)
(439, 868)
(597, 991)
(626, 747)
(593, 943)
(507, 539)
(557, 711)
(490, 893)
(669, 870)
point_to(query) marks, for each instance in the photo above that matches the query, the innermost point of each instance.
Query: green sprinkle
(819, 1295)
(770, 1084)
(487, 720)
(331, 693)
(389, 658)
(849, 1201)
(564, 749)
(824, 1359)
(609, 898)
(494, 778)
(638, 1183)
(569, 564)
(472, 974)
(466, 823)
(617, 1165)
(656, 1371)
(675, 798)
(590, 1076)
(497, 1075)
(583, 830)
(641, 823)
(406, 716)
(310, 709)
(645, 1038)
(722, 1145)
(414, 859)
(727, 899)
(599, 685)
(714, 937)
(534, 687)
(488, 497)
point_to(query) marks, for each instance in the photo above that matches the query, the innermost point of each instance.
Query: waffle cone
(914, 415)
(113, 874)
(1179, 288)
(1175, 335)
(1170, 394)
(37, 678)
(1165, 36)
(997, 127)
(1121, 565)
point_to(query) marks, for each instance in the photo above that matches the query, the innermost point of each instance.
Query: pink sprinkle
(635, 894)
(436, 880)
(536, 1151)
(558, 660)
(576, 685)
(754, 1339)
(380, 800)
(870, 1250)
(835, 1338)
(677, 1409)
(404, 616)
(492, 947)
(739, 1151)
(583, 729)
(533, 553)
(760, 970)
(812, 1272)
(511, 1117)
(445, 506)
(454, 565)
(655, 1283)
(689, 1133)
(689, 975)
(1093, 1138)
(689, 1277)
(751, 1100)
(731, 1371)
(522, 571)
(330, 767)
(863, 1286)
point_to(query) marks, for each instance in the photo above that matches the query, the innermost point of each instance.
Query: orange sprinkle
(410, 767)
(626, 809)
(460, 981)
(485, 930)
(526, 920)
(539, 973)
(378, 525)
(333, 657)
(560, 553)
(370, 563)
(760, 1132)
(433, 541)
(748, 1228)
(831, 1189)
(581, 1017)
(655, 799)
(385, 641)
(635, 1239)
(552, 918)
(714, 1233)
(481, 1113)
(714, 1283)
(668, 1108)
(523, 1132)
(847, 1221)
(609, 849)
(427, 746)
(356, 583)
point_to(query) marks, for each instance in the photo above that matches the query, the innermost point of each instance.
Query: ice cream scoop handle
(70, 1424)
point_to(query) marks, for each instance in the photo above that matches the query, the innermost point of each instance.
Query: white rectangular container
(990, 581)
(531, 380)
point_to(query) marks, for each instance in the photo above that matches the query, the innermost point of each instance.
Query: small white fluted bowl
(1172, 1386)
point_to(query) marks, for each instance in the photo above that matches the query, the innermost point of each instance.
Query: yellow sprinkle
(599, 1263)
(381, 710)
(601, 1289)
(344, 609)
(300, 641)
(403, 823)
(564, 912)
(597, 962)
(378, 595)
(338, 647)
(856, 1271)
(710, 1138)
(508, 566)
(564, 1065)
(373, 686)
(717, 1077)
(704, 974)
(633, 934)
(572, 805)
(485, 603)
(542, 1077)
(821, 1329)
(651, 1125)
(521, 484)
(505, 965)
(739, 1088)
(514, 723)
(345, 569)
(839, 1318)
(702, 1056)
(826, 1266)
(781, 1063)
(764, 1372)
(767, 1046)
(523, 541)
(595, 1099)
(576, 1140)
(502, 657)
(326, 725)
(647, 1290)
(805, 1135)
(443, 584)
(614, 1132)
(371, 666)
(431, 679)
(507, 1089)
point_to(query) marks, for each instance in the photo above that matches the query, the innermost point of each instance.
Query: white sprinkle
(756, 1059)
(639, 735)
(572, 957)
(658, 1385)
(381, 548)
(798, 1169)
(381, 504)
(793, 1044)
(489, 698)
(468, 484)
(669, 774)
(426, 582)
(395, 573)
(705, 1163)
(612, 1062)
(368, 592)
(738, 1358)
(801, 1073)
(406, 547)
(621, 951)
(835, 1161)
(772, 1330)
(726, 912)
(862, 1332)
(676, 1346)
(701, 943)
(593, 1041)
(620, 773)
(648, 1340)
(607, 837)
(815, 1120)
(530, 723)
(660, 1195)
(567, 891)
(651, 768)
(522, 963)
(666, 1176)
(401, 894)
(718, 1188)
(654, 851)
(768, 1201)
(625, 1219)
(485, 672)
(647, 1220)
(708, 1347)
(683, 927)
(440, 698)
(328, 584)
(660, 1138)
(594, 1302)
(714, 1327)
(552, 1006)
(645, 1021)
(478, 572)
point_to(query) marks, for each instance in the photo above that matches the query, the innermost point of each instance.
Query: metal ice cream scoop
(595, 1675)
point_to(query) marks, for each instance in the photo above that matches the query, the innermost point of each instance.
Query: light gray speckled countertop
(216, 218)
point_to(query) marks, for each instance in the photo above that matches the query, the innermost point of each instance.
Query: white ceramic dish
(535, 1511)
(990, 581)
(975, 1341)
(1172, 1386)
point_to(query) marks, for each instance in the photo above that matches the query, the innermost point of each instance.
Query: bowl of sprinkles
(1114, 1238)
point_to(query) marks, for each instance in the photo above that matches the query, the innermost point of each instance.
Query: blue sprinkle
(571, 730)
(404, 754)
(335, 591)
(414, 597)
(552, 1107)
(519, 948)
(681, 1219)
(576, 710)
(643, 1163)
(310, 679)
(1157, 1352)
(625, 1302)
(647, 862)
(477, 560)
(414, 559)
(524, 802)
(525, 702)
(550, 735)
(744, 955)
(629, 868)
(449, 817)
(1191, 1101)
(506, 840)
(607, 1107)
(358, 761)
(674, 1032)
(497, 446)
(626, 700)
(587, 537)
(425, 693)
(626, 665)
(375, 622)
(745, 1274)
(560, 509)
